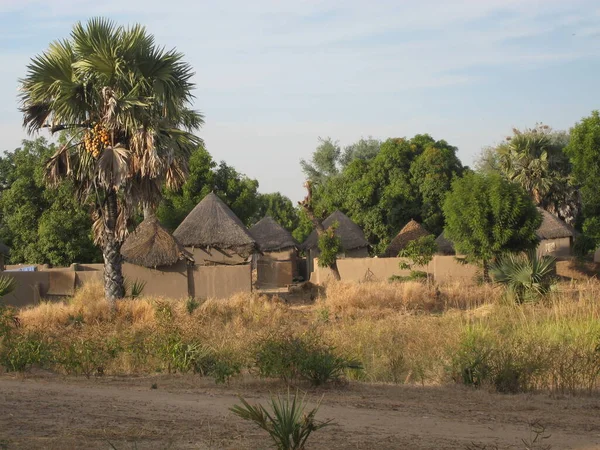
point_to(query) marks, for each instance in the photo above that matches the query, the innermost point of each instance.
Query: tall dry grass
(401, 332)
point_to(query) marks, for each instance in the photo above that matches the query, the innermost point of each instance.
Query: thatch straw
(151, 245)
(553, 228)
(211, 224)
(411, 231)
(350, 234)
(270, 236)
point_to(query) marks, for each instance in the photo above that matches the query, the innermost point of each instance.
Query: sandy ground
(47, 411)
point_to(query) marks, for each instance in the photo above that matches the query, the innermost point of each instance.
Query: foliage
(324, 161)
(126, 102)
(7, 285)
(330, 246)
(20, 352)
(135, 289)
(41, 224)
(487, 216)
(279, 207)
(85, 356)
(288, 424)
(191, 305)
(302, 357)
(584, 153)
(535, 159)
(404, 179)
(419, 251)
(583, 245)
(526, 276)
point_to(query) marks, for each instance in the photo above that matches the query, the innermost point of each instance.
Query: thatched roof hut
(445, 246)
(270, 236)
(151, 245)
(211, 224)
(411, 231)
(553, 228)
(350, 234)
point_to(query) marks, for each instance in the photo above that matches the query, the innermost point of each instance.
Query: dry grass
(401, 332)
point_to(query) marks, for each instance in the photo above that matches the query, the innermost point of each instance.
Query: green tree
(363, 149)
(535, 159)
(238, 191)
(127, 102)
(42, 225)
(280, 208)
(584, 153)
(487, 216)
(324, 162)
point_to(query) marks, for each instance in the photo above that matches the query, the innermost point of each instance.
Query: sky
(274, 76)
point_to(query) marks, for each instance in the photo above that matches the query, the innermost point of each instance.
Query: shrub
(7, 285)
(86, 356)
(22, 351)
(471, 364)
(288, 425)
(191, 305)
(330, 246)
(302, 357)
(526, 276)
(583, 246)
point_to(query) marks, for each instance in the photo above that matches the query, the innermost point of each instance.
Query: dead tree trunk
(306, 204)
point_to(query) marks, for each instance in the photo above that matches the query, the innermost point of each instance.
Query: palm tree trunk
(114, 286)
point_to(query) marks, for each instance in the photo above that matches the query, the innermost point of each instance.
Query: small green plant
(419, 251)
(136, 288)
(191, 305)
(86, 356)
(472, 361)
(526, 276)
(288, 425)
(7, 285)
(583, 245)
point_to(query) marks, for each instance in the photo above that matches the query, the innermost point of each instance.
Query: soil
(45, 411)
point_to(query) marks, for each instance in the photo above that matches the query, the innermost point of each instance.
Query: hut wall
(221, 281)
(362, 252)
(206, 257)
(276, 269)
(559, 248)
(170, 282)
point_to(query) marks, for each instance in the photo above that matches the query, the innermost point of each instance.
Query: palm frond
(112, 169)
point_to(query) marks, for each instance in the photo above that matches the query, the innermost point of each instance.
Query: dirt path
(190, 413)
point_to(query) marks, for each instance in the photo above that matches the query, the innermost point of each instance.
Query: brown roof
(411, 231)
(445, 246)
(553, 228)
(351, 235)
(211, 224)
(270, 236)
(151, 245)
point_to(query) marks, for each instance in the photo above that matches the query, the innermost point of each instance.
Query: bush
(583, 246)
(303, 357)
(288, 425)
(22, 351)
(86, 356)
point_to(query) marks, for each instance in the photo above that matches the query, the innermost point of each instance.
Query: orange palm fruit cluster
(96, 140)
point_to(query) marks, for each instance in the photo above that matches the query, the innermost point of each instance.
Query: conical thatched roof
(151, 245)
(270, 236)
(211, 224)
(351, 235)
(411, 231)
(553, 228)
(445, 246)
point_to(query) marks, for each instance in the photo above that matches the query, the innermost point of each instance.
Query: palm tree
(124, 103)
(535, 160)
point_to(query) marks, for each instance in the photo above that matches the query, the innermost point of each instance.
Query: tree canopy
(584, 153)
(487, 216)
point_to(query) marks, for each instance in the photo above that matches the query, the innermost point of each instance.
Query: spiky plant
(7, 285)
(287, 424)
(527, 276)
(125, 104)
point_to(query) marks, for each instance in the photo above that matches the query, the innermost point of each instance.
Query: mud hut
(154, 257)
(411, 231)
(214, 235)
(556, 237)
(277, 262)
(354, 243)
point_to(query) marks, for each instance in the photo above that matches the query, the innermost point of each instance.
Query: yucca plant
(287, 424)
(527, 276)
(7, 285)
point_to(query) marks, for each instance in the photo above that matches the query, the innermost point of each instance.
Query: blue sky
(273, 76)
